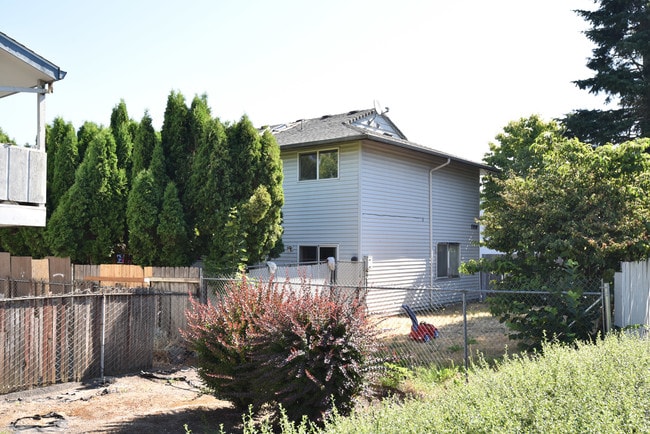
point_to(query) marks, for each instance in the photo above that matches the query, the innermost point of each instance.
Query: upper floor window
(448, 260)
(318, 165)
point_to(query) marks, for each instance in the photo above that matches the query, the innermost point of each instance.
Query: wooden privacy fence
(88, 320)
(72, 337)
(23, 276)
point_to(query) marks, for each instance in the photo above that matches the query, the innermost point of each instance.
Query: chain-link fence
(87, 332)
(467, 324)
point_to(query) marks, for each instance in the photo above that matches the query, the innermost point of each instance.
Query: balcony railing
(23, 174)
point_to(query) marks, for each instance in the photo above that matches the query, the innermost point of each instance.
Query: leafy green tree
(172, 230)
(561, 212)
(143, 144)
(89, 222)
(142, 220)
(4, 138)
(561, 198)
(621, 62)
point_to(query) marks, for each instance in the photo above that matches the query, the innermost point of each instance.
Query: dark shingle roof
(353, 125)
(322, 129)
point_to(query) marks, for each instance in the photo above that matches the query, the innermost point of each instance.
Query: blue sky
(452, 73)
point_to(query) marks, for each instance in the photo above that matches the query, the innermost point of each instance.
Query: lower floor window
(314, 254)
(448, 259)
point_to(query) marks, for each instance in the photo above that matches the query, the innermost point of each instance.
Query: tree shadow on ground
(198, 421)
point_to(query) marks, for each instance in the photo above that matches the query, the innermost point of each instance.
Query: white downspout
(431, 219)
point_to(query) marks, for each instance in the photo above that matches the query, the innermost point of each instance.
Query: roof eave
(31, 58)
(393, 142)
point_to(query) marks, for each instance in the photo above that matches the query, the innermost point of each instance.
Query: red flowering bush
(306, 349)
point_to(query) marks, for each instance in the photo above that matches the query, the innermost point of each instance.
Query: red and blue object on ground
(420, 331)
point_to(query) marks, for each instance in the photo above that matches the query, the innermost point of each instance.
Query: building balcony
(23, 177)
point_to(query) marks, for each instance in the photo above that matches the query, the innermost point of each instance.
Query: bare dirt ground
(164, 402)
(149, 403)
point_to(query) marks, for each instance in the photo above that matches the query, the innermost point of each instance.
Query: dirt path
(149, 403)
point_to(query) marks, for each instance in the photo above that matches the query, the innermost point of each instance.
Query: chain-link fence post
(103, 339)
(607, 326)
(465, 336)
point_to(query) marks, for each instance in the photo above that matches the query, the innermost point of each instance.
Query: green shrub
(600, 387)
(303, 349)
(221, 336)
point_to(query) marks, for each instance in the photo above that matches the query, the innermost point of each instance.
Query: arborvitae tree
(24, 241)
(121, 130)
(142, 220)
(85, 135)
(621, 62)
(208, 194)
(227, 253)
(174, 139)
(61, 143)
(89, 222)
(172, 230)
(245, 149)
(208, 175)
(61, 146)
(144, 142)
(157, 168)
(264, 237)
(257, 192)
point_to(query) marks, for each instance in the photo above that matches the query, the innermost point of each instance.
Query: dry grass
(485, 335)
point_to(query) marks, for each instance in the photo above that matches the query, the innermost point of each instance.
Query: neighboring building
(356, 189)
(23, 171)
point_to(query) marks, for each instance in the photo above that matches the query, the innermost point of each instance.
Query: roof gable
(350, 125)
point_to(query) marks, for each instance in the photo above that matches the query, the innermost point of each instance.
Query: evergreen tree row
(198, 189)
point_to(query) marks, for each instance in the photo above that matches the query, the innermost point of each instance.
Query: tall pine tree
(621, 62)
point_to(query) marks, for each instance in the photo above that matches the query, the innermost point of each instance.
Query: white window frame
(449, 259)
(318, 160)
(318, 251)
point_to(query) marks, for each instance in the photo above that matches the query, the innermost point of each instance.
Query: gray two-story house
(357, 190)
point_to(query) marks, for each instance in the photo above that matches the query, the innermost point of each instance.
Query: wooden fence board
(21, 271)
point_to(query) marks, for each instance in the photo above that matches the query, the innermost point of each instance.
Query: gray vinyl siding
(394, 217)
(321, 212)
(456, 202)
(395, 225)
(379, 206)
